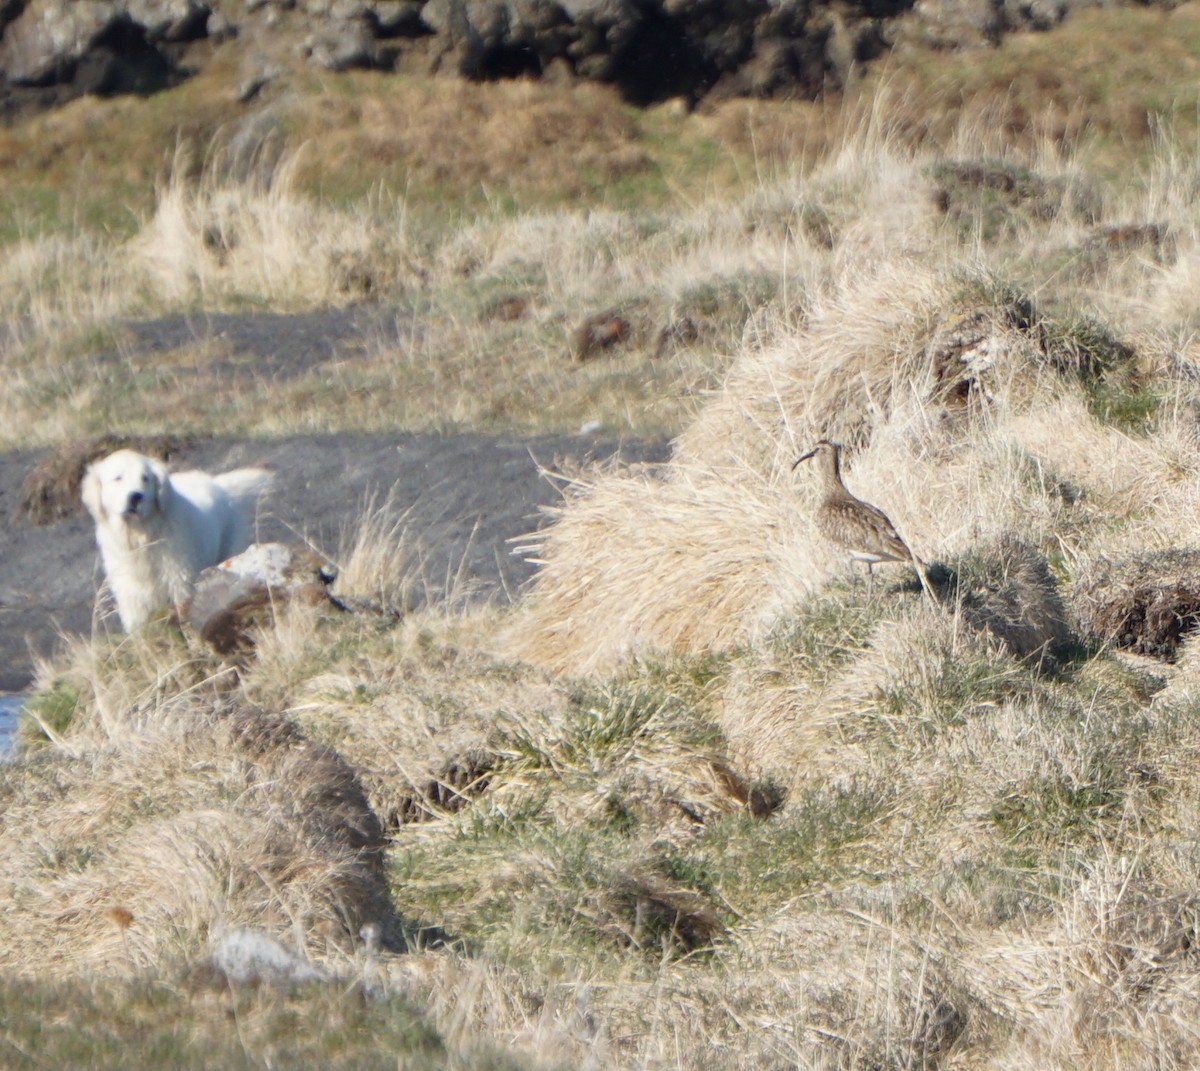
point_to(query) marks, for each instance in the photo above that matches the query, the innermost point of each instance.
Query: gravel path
(465, 497)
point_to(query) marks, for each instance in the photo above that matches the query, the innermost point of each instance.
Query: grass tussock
(133, 870)
(1148, 605)
(231, 233)
(185, 1018)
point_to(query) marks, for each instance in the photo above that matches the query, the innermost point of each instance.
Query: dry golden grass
(169, 819)
(699, 799)
(518, 140)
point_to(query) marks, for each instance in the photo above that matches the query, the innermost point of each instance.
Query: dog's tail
(245, 487)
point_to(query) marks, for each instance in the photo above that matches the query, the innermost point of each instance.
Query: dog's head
(125, 485)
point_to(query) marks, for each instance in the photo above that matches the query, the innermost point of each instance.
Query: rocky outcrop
(52, 50)
(235, 599)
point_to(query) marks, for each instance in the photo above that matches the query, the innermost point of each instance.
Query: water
(9, 706)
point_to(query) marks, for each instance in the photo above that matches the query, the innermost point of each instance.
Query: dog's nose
(135, 500)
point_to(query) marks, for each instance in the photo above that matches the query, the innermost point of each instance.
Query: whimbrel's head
(829, 452)
(828, 455)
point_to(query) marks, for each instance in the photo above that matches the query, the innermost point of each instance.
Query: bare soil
(464, 496)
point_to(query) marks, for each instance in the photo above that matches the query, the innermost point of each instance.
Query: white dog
(157, 530)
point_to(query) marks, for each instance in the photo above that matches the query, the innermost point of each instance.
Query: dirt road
(464, 497)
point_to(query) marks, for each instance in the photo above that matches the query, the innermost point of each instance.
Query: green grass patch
(827, 630)
(193, 1022)
(532, 889)
(812, 843)
(49, 711)
(1062, 808)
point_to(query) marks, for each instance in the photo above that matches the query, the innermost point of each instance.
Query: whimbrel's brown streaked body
(849, 522)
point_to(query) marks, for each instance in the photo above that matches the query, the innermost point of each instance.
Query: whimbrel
(859, 527)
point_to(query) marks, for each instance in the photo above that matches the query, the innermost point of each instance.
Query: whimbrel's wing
(859, 526)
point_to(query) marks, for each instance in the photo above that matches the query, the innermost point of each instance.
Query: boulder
(397, 18)
(47, 40)
(484, 39)
(92, 46)
(343, 45)
(231, 600)
(170, 20)
(953, 24)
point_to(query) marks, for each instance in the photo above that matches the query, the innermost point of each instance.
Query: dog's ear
(162, 484)
(90, 492)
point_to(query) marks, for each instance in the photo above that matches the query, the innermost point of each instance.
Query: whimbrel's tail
(923, 575)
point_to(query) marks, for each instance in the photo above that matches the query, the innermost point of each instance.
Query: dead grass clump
(921, 675)
(50, 490)
(1008, 590)
(422, 721)
(650, 913)
(1157, 240)
(220, 238)
(319, 786)
(776, 719)
(1147, 604)
(773, 708)
(599, 333)
(725, 556)
(1085, 348)
(964, 349)
(725, 532)
(1114, 979)
(712, 548)
(129, 856)
(901, 335)
(994, 198)
(379, 565)
(872, 996)
(452, 786)
(527, 136)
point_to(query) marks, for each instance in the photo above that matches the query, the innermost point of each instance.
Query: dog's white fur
(157, 530)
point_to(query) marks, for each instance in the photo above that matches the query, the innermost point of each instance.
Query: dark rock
(9, 10)
(489, 39)
(778, 68)
(343, 45)
(87, 47)
(170, 20)
(599, 333)
(652, 50)
(1033, 14)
